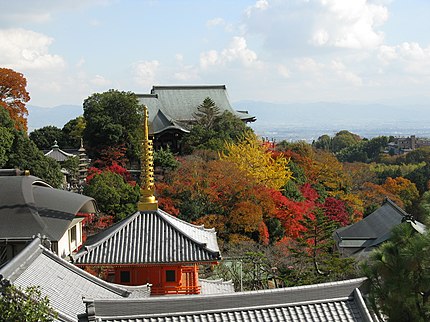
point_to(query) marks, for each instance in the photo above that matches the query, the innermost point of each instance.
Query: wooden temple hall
(151, 246)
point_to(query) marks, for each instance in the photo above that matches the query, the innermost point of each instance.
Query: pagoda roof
(57, 154)
(150, 237)
(29, 206)
(334, 301)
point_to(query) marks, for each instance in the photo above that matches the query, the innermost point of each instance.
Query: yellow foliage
(253, 158)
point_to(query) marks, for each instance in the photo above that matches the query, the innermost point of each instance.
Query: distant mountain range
(307, 121)
(295, 121)
(58, 116)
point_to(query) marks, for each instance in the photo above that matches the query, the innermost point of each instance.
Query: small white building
(30, 207)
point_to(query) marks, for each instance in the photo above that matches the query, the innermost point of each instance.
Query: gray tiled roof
(216, 286)
(150, 237)
(378, 223)
(338, 301)
(173, 107)
(63, 283)
(159, 121)
(58, 154)
(181, 102)
(29, 206)
(372, 230)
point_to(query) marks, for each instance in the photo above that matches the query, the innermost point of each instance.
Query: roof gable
(377, 224)
(63, 283)
(150, 237)
(29, 207)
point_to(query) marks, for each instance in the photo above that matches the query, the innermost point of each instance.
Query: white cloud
(145, 72)
(208, 58)
(283, 71)
(308, 65)
(100, 81)
(81, 62)
(344, 74)
(298, 26)
(25, 50)
(408, 58)
(260, 5)
(215, 22)
(237, 51)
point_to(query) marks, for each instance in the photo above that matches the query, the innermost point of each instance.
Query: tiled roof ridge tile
(224, 310)
(202, 244)
(21, 260)
(201, 227)
(352, 282)
(109, 286)
(396, 207)
(191, 87)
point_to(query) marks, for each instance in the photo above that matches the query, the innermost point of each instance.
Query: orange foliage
(403, 188)
(374, 195)
(245, 217)
(13, 96)
(213, 221)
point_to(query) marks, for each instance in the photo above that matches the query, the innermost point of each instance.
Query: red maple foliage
(335, 209)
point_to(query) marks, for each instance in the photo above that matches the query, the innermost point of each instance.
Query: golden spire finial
(147, 199)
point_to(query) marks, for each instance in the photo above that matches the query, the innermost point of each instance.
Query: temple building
(172, 110)
(73, 180)
(29, 207)
(151, 246)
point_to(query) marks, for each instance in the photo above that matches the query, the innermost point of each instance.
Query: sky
(280, 51)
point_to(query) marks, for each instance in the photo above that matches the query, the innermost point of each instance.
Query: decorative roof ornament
(147, 200)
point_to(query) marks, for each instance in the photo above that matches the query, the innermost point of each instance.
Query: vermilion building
(152, 246)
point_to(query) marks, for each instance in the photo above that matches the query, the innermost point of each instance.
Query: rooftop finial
(147, 199)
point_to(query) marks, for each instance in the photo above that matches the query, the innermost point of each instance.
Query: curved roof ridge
(201, 227)
(210, 245)
(184, 233)
(115, 288)
(105, 234)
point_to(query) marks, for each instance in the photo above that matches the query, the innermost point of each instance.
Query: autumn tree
(251, 157)
(14, 96)
(312, 252)
(403, 188)
(113, 119)
(218, 194)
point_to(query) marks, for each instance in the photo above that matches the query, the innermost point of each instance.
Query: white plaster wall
(63, 245)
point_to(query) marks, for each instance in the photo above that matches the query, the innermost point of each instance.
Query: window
(73, 235)
(170, 275)
(124, 276)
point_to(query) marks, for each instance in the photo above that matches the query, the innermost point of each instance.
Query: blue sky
(265, 50)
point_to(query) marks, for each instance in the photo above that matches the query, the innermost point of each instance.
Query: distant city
(294, 122)
(290, 132)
